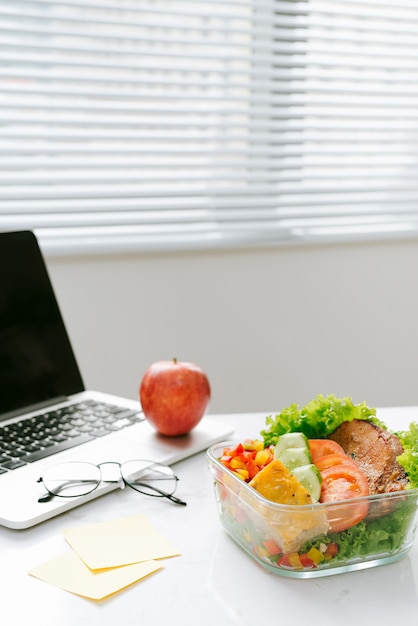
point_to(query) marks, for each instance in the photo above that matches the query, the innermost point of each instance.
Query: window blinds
(151, 124)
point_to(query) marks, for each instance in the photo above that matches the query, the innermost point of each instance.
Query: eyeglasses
(76, 478)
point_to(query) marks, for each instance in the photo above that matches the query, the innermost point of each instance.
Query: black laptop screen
(37, 363)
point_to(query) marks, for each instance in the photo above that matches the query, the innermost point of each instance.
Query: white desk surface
(213, 581)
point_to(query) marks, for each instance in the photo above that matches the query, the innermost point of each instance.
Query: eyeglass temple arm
(162, 493)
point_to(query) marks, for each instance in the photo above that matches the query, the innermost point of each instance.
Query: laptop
(42, 390)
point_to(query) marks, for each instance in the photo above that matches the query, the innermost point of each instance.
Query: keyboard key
(59, 447)
(13, 464)
(99, 432)
(119, 424)
(122, 413)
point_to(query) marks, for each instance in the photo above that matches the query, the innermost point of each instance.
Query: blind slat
(282, 206)
(290, 69)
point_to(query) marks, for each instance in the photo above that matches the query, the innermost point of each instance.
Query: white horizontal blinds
(356, 145)
(127, 123)
(155, 125)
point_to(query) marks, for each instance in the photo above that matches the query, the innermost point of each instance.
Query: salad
(349, 481)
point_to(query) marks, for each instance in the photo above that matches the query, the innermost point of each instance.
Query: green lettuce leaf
(409, 458)
(318, 419)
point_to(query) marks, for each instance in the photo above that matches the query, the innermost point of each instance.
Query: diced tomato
(332, 550)
(341, 483)
(272, 547)
(322, 447)
(288, 561)
(238, 450)
(306, 562)
(252, 468)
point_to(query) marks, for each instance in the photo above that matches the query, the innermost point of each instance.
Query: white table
(213, 581)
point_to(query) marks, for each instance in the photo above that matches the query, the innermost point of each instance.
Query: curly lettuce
(318, 419)
(386, 534)
(409, 458)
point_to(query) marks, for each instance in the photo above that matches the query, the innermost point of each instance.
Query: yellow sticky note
(68, 572)
(119, 542)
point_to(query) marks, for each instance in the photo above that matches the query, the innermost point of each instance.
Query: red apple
(174, 396)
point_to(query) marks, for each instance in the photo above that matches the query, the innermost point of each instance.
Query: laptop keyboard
(48, 433)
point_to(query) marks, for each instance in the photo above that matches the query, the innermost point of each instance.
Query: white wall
(270, 326)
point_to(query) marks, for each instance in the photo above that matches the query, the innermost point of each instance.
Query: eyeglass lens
(151, 479)
(70, 480)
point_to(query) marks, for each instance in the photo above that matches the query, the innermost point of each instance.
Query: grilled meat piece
(374, 450)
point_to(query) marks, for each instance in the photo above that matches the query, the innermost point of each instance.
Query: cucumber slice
(293, 457)
(290, 440)
(309, 476)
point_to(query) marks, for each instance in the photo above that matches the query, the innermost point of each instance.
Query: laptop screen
(37, 363)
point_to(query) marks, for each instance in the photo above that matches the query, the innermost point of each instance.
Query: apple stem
(174, 360)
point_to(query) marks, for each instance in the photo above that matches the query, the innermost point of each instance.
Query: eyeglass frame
(159, 493)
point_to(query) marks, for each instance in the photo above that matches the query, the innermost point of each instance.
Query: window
(152, 124)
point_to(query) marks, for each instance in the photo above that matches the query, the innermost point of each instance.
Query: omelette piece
(289, 526)
(275, 482)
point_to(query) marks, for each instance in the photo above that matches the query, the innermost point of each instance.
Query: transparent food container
(300, 541)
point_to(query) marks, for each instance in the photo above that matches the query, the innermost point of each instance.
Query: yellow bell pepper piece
(294, 560)
(237, 464)
(315, 555)
(261, 458)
